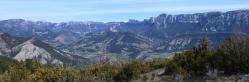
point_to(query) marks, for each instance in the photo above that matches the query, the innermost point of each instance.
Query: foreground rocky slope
(23, 49)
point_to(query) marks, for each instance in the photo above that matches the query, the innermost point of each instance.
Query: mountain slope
(113, 42)
(7, 42)
(117, 40)
(187, 41)
(30, 48)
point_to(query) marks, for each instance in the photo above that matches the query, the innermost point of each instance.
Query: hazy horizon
(109, 10)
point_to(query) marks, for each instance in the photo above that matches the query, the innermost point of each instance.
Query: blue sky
(109, 10)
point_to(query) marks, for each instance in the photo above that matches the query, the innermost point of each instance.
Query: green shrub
(131, 71)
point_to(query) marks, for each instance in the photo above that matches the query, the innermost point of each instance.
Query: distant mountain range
(81, 43)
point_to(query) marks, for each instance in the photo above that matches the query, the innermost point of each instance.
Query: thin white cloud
(134, 1)
(130, 11)
(162, 9)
